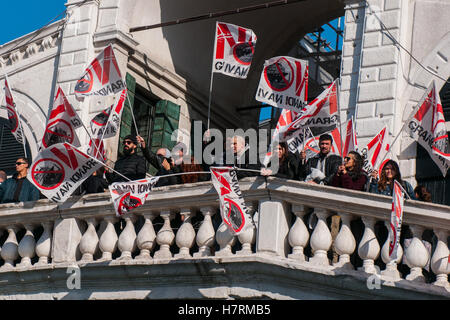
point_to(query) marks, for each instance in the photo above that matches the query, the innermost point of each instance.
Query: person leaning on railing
(287, 163)
(351, 175)
(18, 188)
(385, 184)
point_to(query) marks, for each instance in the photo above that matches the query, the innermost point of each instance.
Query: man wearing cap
(129, 165)
(162, 161)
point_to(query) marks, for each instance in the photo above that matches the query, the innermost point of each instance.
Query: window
(10, 149)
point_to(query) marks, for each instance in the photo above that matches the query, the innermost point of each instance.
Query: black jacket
(332, 164)
(156, 161)
(288, 169)
(132, 167)
(243, 162)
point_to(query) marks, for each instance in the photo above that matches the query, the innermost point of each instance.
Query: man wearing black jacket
(129, 165)
(241, 158)
(161, 161)
(322, 167)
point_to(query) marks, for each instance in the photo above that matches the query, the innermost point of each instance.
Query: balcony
(175, 246)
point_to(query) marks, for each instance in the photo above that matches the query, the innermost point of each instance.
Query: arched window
(10, 149)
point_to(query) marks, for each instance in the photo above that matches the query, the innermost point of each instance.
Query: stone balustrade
(291, 224)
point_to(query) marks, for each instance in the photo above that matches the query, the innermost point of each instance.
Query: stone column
(345, 243)
(146, 237)
(165, 237)
(27, 246)
(10, 250)
(206, 233)
(321, 239)
(298, 235)
(185, 237)
(439, 261)
(369, 249)
(44, 244)
(416, 255)
(108, 239)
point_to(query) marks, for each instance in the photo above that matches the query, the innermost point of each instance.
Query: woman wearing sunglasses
(385, 185)
(18, 188)
(350, 175)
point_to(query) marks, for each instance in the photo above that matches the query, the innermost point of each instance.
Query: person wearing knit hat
(129, 164)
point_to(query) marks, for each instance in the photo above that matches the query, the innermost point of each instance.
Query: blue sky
(22, 17)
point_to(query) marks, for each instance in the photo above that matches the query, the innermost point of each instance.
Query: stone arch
(33, 119)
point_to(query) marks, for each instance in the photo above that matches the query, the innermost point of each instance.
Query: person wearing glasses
(18, 188)
(385, 184)
(321, 168)
(129, 164)
(351, 175)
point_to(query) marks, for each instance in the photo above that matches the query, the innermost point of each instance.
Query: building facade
(392, 51)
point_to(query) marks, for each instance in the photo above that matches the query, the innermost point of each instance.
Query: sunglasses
(127, 142)
(20, 163)
(347, 158)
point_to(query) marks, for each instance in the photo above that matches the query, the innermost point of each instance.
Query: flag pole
(340, 116)
(132, 114)
(212, 75)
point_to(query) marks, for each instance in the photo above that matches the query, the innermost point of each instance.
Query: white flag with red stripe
(13, 115)
(376, 151)
(106, 124)
(351, 142)
(284, 83)
(234, 49)
(321, 112)
(62, 123)
(102, 77)
(396, 221)
(232, 207)
(128, 196)
(285, 119)
(59, 170)
(427, 126)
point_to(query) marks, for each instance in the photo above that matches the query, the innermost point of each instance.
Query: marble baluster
(10, 249)
(298, 235)
(89, 241)
(416, 255)
(345, 243)
(248, 236)
(127, 239)
(206, 233)
(108, 239)
(44, 244)
(321, 239)
(439, 261)
(185, 237)
(225, 239)
(146, 237)
(391, 272)
(369, 248)
(165, 237)
(27, 247)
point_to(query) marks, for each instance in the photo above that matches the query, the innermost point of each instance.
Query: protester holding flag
(288, 163)
(350, 175)
(322, 167)
(385, 185)
(18, 188)
(130, 164)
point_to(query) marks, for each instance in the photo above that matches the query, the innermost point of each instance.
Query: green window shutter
(167, 117)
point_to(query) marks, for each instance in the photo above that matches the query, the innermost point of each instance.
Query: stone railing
(346, 235)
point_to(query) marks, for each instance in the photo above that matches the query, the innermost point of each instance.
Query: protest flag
(59, 170)
(284, 83)
(13, 116)
(128, 196)
(62, 123)
(396, 221)
(232, 207)
(427, 127)
(102, 77)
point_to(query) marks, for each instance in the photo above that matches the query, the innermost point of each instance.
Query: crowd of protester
(324, 168)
